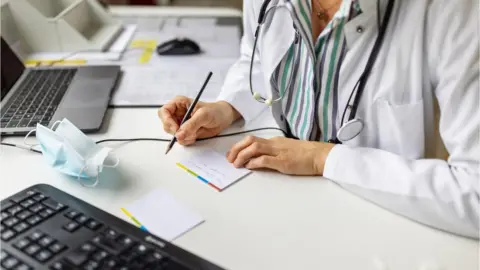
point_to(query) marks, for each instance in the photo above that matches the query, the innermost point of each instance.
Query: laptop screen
(11, 69)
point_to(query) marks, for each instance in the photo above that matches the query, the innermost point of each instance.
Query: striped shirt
(310, 102)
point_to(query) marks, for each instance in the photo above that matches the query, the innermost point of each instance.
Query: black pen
(189, 111)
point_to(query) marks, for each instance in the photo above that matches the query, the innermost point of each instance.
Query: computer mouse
(178, 46)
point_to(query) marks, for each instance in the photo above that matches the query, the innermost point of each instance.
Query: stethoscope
(353, 126)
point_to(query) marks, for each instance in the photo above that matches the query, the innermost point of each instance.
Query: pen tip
(168, 150)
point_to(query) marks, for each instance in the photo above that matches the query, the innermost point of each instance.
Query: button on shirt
(310, 102)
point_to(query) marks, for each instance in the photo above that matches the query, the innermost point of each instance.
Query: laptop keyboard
(37, 98)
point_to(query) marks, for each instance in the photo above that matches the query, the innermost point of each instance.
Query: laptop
(47, 94)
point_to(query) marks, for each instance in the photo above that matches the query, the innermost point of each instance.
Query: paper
(156, 85)
(162, 215)
(212, 168)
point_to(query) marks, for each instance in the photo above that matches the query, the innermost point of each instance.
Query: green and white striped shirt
(311, 104)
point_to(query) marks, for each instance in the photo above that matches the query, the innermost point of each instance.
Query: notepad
(213, 169)
(162, 215)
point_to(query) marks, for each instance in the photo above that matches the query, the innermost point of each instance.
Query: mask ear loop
(31, 145)
(114, 165)
(97, 180)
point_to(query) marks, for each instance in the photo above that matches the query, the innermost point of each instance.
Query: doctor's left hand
(287, 156)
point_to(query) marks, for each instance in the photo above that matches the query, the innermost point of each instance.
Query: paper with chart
(213, 169)
(156, 85)
(161, 214)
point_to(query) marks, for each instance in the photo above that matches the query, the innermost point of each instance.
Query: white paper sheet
(213, 168)
(156, 85)
(162, 215)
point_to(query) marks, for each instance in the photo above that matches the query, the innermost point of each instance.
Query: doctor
(355, 84)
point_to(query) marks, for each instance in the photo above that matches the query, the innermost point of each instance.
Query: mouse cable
(153, 139)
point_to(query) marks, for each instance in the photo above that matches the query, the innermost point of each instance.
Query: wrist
(230, 112)
(321, 158)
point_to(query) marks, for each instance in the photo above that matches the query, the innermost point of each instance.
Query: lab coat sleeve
(441, 194)
(236, 88)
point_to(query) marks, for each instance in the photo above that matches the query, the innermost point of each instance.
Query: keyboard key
(111, 233)
(37, 208)
(46, 212)
(39, 197)
(154, 258)
(81, 219)
(10, 262)
(5, 119)
(12, 123)
(36, 235)
(126, 241)
(100, 255)
(54, 205)
(77, 257)
(59, 266)
(17, 117)
(20, 112)
(2, 228)
(46, 241)
(28, 115)
(110, 264)
(27, 203)
(24, 214)
(87, 247)
(91, 265)
(21, 227)
(7, 235)
(23, 123)
(22, 243)
(141, 249)
(44, 256)
(71, 226)
(4, 215)
(3, 125)
(37, 117)
(3, 255)
(22, 267)
(14, 209)
(33, 123)
(57, 248)
(45, 123)
(10, 222)
(34, 220)
(108, 244)
(93, 225)
(72, 214)
(32, 249)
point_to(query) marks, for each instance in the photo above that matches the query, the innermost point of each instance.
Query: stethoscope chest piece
(350, 130)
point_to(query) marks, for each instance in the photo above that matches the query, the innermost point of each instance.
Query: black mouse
(178, 46)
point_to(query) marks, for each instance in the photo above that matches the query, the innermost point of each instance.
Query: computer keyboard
(37, 98)
(45, 228)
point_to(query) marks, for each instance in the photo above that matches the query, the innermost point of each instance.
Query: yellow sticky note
(148, 47)
(33, 62)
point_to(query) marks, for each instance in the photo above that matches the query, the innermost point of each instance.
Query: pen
(189, 111)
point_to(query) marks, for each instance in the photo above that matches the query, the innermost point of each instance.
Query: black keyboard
(37, 98)
(45, 228)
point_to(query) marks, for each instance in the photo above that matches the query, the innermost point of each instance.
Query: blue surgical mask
(70, 151)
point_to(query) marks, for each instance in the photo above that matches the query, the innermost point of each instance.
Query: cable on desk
(155, 139)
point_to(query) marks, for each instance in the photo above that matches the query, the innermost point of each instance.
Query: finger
(263, 162)
(169, 123)
(254, 150)
(190, 128)
(236, 148)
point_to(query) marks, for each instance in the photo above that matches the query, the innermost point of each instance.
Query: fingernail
(180, 135)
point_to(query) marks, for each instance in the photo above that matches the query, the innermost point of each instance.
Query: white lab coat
(430, 54)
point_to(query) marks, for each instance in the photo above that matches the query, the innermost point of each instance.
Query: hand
(206, 120)
(287, 156)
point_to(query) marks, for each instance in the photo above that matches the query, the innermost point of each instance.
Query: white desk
(266, 221)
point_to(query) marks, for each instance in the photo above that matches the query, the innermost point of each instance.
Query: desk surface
(266, 221)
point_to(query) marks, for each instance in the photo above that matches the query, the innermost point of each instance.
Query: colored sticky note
(148, 47)
(213, 169)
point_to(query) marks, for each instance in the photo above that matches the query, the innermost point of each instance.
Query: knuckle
(255, 146)
(250, 139)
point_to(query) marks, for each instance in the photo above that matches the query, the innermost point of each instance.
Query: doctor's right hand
(208, 119)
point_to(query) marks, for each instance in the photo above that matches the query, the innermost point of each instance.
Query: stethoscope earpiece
(268, 102)
(257, 96)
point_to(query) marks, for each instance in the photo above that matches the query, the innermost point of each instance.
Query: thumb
(190, 128)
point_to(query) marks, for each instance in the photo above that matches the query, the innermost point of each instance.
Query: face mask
(70, 151)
